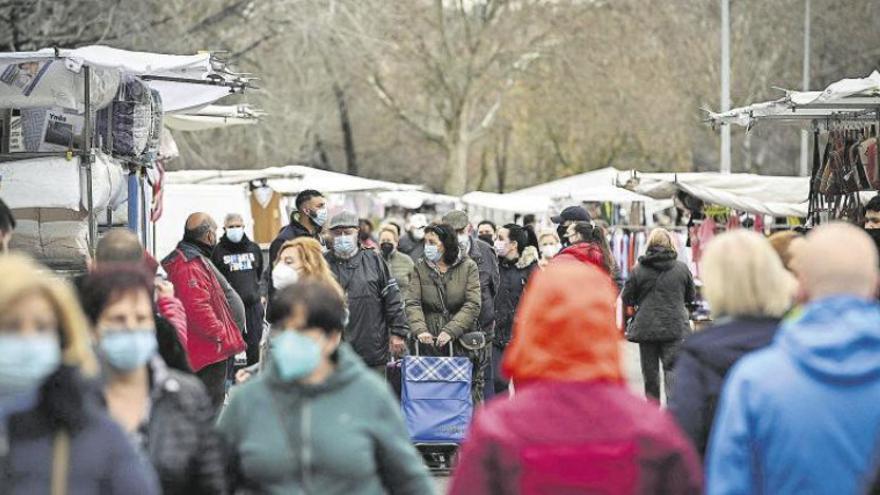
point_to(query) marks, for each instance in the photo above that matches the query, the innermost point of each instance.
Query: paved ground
(633, 374)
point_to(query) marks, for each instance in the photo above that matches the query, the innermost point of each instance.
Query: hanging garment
(266, 210)
(868, 158)
(733, 221)
(759, 224)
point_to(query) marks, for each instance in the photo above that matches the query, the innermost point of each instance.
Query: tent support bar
(208, 82)
(23, 155)
(87, 160)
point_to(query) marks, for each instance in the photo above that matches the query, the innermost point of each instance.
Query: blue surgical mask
(432, 253)
(295, 356)
(25, 362)
(320, 217)
(345, 245)
(235, 234)
(127, 350)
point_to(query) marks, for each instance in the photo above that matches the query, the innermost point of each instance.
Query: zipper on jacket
(306, 432)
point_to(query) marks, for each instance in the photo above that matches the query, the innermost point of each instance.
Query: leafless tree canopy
(479, 94)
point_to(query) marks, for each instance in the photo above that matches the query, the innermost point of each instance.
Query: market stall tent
(565, 187)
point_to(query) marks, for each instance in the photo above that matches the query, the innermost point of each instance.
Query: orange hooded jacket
(565, 327)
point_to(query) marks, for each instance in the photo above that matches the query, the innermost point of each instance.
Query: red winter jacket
(212, 335)
(583, 252)
(572, 427)
(172, 310)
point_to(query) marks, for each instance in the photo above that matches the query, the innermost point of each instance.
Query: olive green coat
(460, 287)
(401, 267)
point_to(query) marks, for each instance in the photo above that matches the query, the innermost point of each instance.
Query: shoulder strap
(441, 293)
(60, 462)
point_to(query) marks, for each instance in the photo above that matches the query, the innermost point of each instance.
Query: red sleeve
(474, 474)
(189, 282)
(172, 310)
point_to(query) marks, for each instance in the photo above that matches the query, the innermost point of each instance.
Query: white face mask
(283, 275)
(418, 234)
(464, 242)
(550, 250)
(235, 234)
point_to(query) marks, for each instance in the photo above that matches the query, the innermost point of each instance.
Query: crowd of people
(220, 370)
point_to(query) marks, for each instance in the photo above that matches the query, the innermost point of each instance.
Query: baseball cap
(572, 213)
(344, 218)
(456, 219)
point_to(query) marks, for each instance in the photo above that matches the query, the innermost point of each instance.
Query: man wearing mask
(569, 216)
(307, 220)
(412, 243)
(7, 225)
(486, 232)
(377, 322)
(401, 265)
(240, 260)
(487, 262)
(214, 312)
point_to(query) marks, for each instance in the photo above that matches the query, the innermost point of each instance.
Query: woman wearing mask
(659, 288)
(517, 261)
(401, 265)
(54, 437)
(443, 302)
(573, 426)
(167, 414)
(549, 246)
(747, 298)
(328, 425)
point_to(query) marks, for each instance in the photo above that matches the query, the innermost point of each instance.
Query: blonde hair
(391, 229)
(660, 237)
(311, 255)
(781, 243)
(548, 233)
(21, 277)
(743, 276)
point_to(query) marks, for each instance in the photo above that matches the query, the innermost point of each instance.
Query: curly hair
(311, 255)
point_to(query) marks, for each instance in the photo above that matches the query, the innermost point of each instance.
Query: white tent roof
(757, 194)
(412, 200)
(844, 96)
(212, 117)
(50, 78)
(568, 186)
(289, 180)
(509, 203)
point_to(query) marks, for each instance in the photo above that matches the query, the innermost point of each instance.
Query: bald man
(802, 415)
(214, 312)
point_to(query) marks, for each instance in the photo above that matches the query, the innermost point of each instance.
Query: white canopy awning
(289, 180)
(213, 117)
(569, 186)
(53, 78)
(413, 200)
(509, 203)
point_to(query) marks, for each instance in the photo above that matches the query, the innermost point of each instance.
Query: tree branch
(393, 105)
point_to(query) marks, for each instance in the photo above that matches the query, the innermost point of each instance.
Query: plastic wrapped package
(130, 120)
(156, 128)
(51, 129)
(58, 237)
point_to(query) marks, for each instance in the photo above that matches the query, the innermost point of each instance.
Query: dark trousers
(489, 372)
(652, 354)
(254, 317)
(501, 383)
(213, 377)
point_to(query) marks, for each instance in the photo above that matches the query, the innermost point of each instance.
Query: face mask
(345, 245)
(387, 248)
(295, 355)
(363, 235)
(25, 362)
(235, 234)
(550, 250)
(502, 248)
(487, 238)
(432, 253)
(319, 217)
(464, 242)
(418, 234)
(283, 275)
(128, 350)
(561, 232)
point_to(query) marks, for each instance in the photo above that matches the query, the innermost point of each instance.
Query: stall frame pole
(87, 160)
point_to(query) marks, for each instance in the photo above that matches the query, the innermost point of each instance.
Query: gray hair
(233, 216)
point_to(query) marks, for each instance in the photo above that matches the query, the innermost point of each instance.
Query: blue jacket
(801, 415)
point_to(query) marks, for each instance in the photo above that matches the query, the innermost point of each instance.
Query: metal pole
(725, 84)
(87, 160)
(805, 139)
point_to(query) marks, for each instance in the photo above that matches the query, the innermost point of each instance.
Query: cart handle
(419, 342)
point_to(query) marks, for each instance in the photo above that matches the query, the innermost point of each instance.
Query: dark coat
(487, 263)
(409, 246)
(514, 276)
(242, 265)
(102, 459)
(182, 443)
(702, 363)
(659, 287)
(292, 231)
(375, 304)
(444, 302)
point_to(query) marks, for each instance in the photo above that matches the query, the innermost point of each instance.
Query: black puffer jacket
(659, 287)
(514, 275)
(181, 441)
(374, 303)
(487, 262)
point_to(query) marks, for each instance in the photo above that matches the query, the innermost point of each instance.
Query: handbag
(471, 341)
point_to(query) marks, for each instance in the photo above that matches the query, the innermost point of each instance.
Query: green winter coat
(345, 436)
(401, 267)
(460, 286)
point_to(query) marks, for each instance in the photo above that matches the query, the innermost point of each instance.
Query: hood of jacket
(564, 333)
(348, 367)
(529, 256)
(585, 253)
(836, 339)
(659, 258)
(719, 347)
